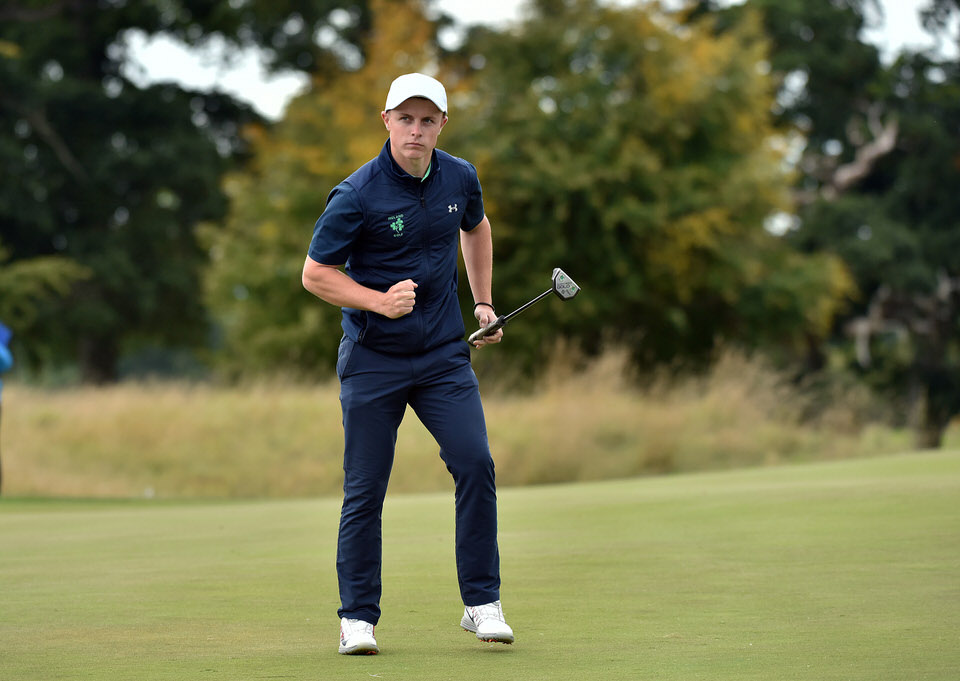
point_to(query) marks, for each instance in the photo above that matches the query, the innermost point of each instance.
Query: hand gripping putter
(565, 288)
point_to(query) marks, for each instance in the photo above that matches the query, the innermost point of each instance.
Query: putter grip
(488, 329)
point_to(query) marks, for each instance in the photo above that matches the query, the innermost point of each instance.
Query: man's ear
(385, 115)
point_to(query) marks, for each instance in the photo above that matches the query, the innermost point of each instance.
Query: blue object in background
(6, 359)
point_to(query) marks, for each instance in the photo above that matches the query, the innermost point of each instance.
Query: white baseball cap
(416, 85)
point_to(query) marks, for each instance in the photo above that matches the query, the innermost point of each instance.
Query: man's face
(413, 126)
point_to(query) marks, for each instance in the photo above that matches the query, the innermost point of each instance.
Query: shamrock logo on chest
(396, 224)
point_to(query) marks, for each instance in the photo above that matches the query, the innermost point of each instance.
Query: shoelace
(360, 626)
(490, 611)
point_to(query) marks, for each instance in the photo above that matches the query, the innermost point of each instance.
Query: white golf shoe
(356, 638)
(487, 622)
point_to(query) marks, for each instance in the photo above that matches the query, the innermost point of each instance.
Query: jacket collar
(389, 165)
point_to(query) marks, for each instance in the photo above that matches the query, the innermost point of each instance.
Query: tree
(824, 73)
(899, 230)
(640, 155)
(876, 188)
(937, 17)
(253, 287)
(115, 177)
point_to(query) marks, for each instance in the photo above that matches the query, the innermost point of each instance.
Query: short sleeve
(474, 212)
(338, 227)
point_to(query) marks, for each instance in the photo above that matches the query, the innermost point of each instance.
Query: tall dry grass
(284, 439)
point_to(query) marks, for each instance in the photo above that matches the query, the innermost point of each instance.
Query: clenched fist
(399, 299)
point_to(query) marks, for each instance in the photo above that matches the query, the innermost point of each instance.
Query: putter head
(565, 287)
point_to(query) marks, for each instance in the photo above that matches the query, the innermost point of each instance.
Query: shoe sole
(359, 650)
(469, 628)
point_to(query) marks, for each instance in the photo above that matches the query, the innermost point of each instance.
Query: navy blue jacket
(386, 226)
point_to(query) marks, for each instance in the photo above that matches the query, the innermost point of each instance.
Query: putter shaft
(500, 321)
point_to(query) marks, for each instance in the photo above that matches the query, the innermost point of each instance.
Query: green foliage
(115, 177)
(28, 283)
(876, 248)
(818, 59)
(640, 155)
(919, 179)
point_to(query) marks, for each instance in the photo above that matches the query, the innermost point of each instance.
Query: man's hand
(485, 315)
(399, 299)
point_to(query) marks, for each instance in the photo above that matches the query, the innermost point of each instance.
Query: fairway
(847, 570)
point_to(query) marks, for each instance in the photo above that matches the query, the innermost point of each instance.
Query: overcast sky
(161, 59)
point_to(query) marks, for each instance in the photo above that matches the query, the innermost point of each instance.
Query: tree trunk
(929, 436)
(98, 359)
(930, 421)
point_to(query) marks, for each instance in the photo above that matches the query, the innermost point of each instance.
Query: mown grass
(285, 440)
(841, 571)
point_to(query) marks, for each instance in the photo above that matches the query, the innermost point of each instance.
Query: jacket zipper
(423, 246)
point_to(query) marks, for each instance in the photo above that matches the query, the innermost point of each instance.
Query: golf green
(847, 570)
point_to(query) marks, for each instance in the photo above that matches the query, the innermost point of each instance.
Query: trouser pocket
(344, 355)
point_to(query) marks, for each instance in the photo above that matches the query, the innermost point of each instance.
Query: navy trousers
(442, 389)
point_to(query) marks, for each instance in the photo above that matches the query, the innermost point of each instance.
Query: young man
(394, 226)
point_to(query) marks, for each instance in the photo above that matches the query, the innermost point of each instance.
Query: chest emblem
(452, 208)
(396, 224)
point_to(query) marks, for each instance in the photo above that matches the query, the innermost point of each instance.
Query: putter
(565, 288)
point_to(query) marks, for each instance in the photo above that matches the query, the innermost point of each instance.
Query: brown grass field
(282, 439)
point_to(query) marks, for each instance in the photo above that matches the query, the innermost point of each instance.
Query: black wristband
(476, 305)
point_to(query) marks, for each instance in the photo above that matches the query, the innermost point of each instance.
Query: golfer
(394, 226)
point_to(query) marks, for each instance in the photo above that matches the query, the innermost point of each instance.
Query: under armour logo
(452, 209)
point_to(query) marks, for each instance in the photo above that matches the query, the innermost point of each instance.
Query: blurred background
(759, 199)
